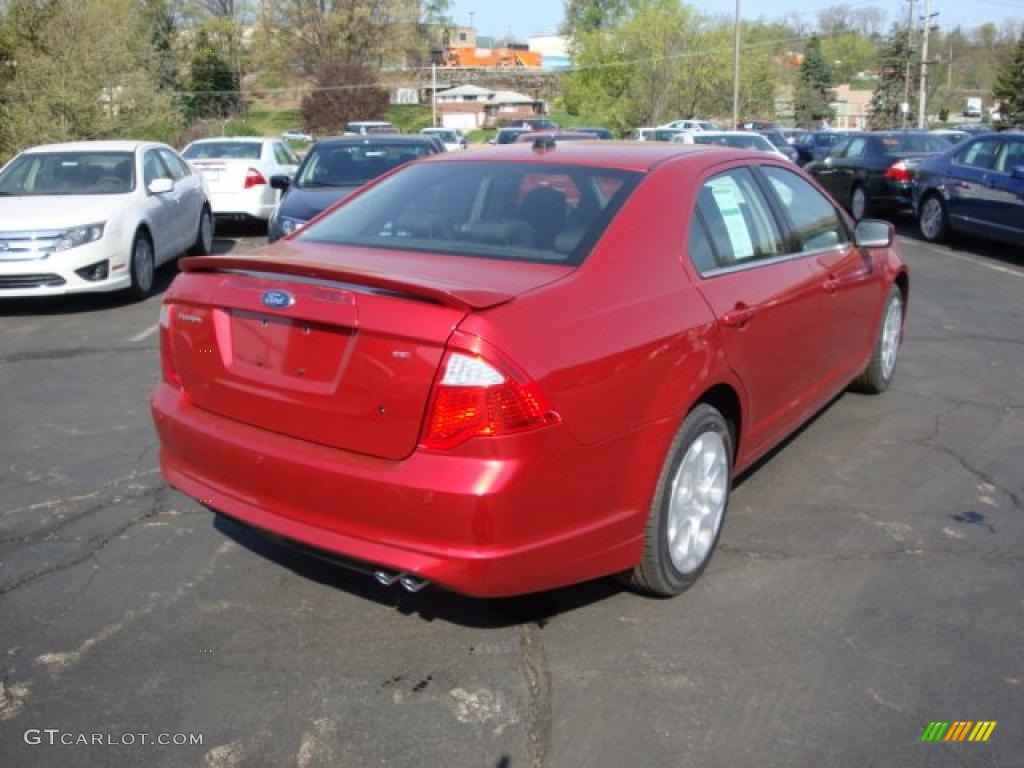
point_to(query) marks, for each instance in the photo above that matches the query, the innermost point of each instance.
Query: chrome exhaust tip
(412, 584)
(387, 578)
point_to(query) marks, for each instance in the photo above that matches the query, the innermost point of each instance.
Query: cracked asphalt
(869, 580)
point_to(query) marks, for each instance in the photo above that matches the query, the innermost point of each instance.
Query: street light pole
(736, 70)
(926, 23)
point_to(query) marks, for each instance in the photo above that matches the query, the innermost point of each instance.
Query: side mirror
(873, 233)
(160, 186)
(1018, 172)
(280, 181)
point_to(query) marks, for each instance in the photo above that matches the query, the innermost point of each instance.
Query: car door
(848, 168)
(188, 189)
(162, 209)
(825, 170)
(967, 203)
(848, 293)
(1007, 190)
(766, 302)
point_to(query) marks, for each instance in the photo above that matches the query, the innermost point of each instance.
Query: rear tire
(203, 246)
(933, 219)
(142, 266)
(878, 375)
(689, 506)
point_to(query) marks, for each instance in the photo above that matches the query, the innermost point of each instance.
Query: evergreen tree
(213, 84)
(1009, 87)
(813, 96)
(890, 89)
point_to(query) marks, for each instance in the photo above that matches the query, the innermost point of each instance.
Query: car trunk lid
(330, 345)
(227, 174)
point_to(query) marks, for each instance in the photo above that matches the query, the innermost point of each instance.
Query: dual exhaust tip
(404, 580)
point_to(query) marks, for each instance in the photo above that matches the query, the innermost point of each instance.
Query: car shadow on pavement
(433, 603)
(974, 245)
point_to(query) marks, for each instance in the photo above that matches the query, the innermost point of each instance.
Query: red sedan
(505, 371)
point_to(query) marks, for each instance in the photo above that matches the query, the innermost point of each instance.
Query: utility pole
(736, 70)
(926, 28)
(905, 106)
(433, 93)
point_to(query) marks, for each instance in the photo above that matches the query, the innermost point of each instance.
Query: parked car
(793, 135)
(735, 139)
(296, 135)
(644, 133)
(951, 135)
(761, 125)
(975, 129)
(692, 125)
(535, 124)
(601, 133)
(816, 144)
(451, 138)
(666, 134)
(778, 140)
(977, 187)
(869, 172)
(97, 216)
(367, 127)
(432, 381)
(508, 135)
(336, 167)
(238, 171)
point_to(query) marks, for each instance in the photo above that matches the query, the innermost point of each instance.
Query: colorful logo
(959, 730)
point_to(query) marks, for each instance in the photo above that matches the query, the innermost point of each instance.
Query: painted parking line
(146, 333)
(978, 260)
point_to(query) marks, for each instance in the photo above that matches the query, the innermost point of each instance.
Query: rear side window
(979, 154)
(739, 220)
(816, 224)
(516, 211)
(701, 253)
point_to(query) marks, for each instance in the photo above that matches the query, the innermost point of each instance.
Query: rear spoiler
(421, 287)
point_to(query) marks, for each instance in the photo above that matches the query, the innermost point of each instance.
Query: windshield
(224, 150)
(69, 173)
(750, 141)
(349, 165)
(517, 211)
(913, 142)
(776, 138)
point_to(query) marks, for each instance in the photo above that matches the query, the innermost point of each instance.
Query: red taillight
(253, 178)
(475, 398)
(898, 171)
(167, 366)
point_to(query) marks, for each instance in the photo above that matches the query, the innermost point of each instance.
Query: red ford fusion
(510, 370)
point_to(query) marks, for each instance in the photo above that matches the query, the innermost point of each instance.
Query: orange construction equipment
(493, 57)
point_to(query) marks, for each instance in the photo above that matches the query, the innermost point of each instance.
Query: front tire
(203, 245)
(143, 266)
(878, 375)
(933, 220)
(689, 506)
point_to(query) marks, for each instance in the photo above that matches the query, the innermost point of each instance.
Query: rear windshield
(751, 141)
(913, 142)
(448, 136)
(352, 165)
(516, 211)
(224, 150)
(69, 173)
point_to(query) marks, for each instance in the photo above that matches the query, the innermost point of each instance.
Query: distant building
(469, 107)
(554, 50)
(852, 108)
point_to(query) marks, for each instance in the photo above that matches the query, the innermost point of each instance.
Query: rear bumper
(257, 203)
(522, 514)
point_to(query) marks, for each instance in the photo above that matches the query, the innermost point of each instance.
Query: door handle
(738, 317)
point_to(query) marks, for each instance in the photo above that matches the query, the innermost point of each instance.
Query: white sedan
(238, 173)
(452, 138)
(737, 139)
(97, 216)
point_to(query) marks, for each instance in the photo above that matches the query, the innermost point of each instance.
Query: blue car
(976, 187)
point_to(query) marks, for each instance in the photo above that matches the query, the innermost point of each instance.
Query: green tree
(213, 84)
(583, 16)
(813, 96)
(890, 88)
(1009, 87)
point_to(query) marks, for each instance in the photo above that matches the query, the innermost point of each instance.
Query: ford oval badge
(277, 299)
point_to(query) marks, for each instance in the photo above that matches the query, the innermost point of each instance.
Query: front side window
(69, 173)
(739, 220)
(515, 211)
(816, 224)
(979, 154)
(177, 168)
(153, 168)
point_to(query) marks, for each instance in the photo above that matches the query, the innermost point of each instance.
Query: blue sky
(529, 17)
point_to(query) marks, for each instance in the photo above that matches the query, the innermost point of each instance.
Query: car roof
(95, 146)
(240, 139)
(613, 155)
(378, 138)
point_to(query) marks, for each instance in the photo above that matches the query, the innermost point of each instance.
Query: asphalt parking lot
(869, 581)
